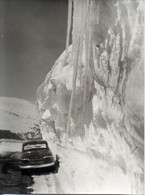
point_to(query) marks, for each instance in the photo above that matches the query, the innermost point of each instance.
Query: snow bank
(91, 102)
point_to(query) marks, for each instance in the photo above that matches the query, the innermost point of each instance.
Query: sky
(32, 36)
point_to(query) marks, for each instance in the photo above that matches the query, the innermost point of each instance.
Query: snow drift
(92, 100)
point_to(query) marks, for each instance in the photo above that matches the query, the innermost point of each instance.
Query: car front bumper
(37, 166)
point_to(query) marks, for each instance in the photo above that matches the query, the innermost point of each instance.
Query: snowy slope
(92, 100)
(18, 119)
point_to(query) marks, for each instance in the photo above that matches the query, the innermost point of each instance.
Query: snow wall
(93, 97)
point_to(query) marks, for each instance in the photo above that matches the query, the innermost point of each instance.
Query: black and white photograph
(71, 97)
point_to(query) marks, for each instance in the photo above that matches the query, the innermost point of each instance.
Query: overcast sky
(32, 36)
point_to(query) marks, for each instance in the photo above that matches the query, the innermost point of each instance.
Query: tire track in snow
(58, 187)
(44, 184)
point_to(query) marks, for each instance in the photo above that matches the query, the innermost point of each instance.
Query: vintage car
(36, 155)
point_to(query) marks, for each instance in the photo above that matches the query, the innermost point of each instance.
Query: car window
(34, 146)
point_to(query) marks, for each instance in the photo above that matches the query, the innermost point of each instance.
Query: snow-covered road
(11, 179)
(46, 184)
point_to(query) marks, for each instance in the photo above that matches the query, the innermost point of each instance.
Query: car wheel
(25, 172)
(56, 166)
(22, 172)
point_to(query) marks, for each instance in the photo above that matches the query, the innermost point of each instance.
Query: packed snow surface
(91, 102)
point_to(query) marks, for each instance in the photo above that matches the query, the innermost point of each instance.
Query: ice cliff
(92, 100)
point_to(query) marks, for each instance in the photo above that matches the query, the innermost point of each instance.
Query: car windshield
(34, 146)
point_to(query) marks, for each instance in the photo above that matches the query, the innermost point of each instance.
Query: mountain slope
(18, 119)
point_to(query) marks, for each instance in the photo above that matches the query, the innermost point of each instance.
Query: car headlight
(25, 160)
(48, 158)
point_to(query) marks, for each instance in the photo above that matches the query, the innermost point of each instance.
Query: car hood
(36, 154)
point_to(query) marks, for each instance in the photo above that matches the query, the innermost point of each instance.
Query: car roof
(35, 142)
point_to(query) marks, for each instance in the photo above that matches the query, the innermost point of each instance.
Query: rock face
(93, 97)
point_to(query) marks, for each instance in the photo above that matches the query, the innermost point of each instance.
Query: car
(36, 155)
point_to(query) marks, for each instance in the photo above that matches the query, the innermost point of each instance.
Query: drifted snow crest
(93, 96)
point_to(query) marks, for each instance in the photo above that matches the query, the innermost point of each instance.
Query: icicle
(69, 24)
(83, 18)
(87, 48)
(98, 13)
(75, 53)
